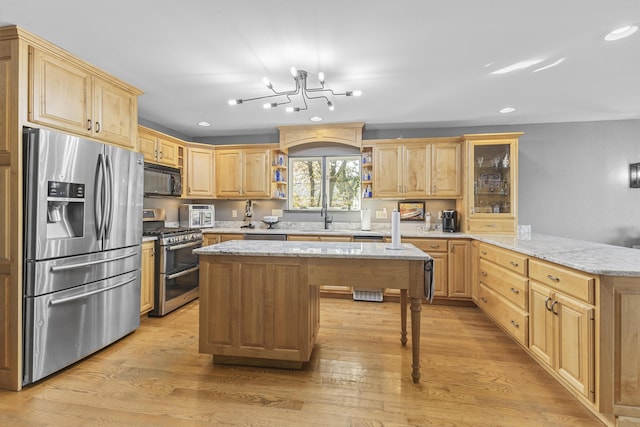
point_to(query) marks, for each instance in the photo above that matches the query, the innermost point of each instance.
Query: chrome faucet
(325, 213)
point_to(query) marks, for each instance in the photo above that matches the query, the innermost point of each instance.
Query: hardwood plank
(358, 375)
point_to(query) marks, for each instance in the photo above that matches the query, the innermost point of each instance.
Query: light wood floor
(359, 375)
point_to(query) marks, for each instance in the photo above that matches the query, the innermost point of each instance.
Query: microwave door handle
(109, 187)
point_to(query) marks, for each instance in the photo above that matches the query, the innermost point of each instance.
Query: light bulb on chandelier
(300, 94)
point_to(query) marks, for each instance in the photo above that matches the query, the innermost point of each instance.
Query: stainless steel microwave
(162, 180)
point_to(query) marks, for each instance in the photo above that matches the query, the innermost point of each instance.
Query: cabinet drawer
(428, 245)
(491, 225)
(574, 283)
(511, 286)
(504, 258)
(509, 317)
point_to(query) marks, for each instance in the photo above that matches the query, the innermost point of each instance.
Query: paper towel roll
(365, 219)
(395, 229)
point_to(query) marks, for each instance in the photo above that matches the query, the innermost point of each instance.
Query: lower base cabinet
(147, 277)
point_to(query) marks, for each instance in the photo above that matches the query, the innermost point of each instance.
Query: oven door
(175, 258)
(175, 290)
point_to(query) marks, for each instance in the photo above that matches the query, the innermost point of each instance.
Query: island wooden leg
(403, 316)
(416, 307)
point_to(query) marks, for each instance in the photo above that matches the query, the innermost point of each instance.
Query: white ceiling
(419, 63)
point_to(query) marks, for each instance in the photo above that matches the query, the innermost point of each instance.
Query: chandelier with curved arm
(302, 91)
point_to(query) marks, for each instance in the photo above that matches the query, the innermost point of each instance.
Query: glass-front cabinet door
(492, 188)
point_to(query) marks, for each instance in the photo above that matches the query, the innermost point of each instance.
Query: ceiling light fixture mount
(302, 89)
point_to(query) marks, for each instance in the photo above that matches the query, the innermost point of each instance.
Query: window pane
(305, 183)
(343, 182)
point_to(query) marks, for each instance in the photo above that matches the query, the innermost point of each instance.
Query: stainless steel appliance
(162, 180)
(82, 248)
(449, 220)
(177, 267)
(197, 216)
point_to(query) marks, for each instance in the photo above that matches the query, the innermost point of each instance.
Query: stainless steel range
(176, 267)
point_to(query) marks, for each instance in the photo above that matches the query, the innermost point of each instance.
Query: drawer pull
(483, 252)
(515, 291)
(484, 273)
(483, 299)
(552, 278)
(491, 225)
(514, 264)
(515, 324)
(552, 308)
(434, 246)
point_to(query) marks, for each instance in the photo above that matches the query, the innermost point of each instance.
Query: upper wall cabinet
(64, 94)
(243, 173)
(492, 185)
(344, 133)
(200, 171)
(417, 168)
(159, 148)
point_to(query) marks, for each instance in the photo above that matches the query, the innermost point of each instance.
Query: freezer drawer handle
(185, 245)
(97, 291)
(55, 269)
(182, 273)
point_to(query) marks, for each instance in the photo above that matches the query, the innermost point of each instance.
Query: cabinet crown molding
(340, 133)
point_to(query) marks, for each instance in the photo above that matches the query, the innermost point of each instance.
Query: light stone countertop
(367, 250)
(590, 257)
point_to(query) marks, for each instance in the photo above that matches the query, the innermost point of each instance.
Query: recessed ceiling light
(204, 124)
(316, 119)
(517, 66)
(621, 33)
(553, 64)
(506, 110)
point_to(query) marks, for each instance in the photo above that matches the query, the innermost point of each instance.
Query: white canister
(365, 219)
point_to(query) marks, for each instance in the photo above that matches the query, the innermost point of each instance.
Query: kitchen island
(259, 300)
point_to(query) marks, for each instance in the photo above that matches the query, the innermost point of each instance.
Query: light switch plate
(277, 212)
(381, 214)
(234, 213)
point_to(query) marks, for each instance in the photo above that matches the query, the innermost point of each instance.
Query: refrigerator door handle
(110, 190)
(86, 294)
(98, 202)
(58, 268)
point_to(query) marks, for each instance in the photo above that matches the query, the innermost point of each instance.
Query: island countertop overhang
(363, 250)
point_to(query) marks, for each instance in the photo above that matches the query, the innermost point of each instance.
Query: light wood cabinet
(159, 148)
(243, 173)
(417, 168)
(503, 289)
(147, 277)
(451, 266)
(491, 195)
(259, 307)
(71, 97)
(200, 172)
(562, 336)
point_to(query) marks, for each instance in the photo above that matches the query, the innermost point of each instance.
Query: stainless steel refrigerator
(82, 248)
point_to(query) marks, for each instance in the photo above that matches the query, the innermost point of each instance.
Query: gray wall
(573, 177)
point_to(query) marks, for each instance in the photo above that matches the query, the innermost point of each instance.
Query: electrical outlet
(234, 213)
(277, 212)
(381, 214)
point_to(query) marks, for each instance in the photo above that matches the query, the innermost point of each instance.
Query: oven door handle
(55, 269)
(182, 273)
(87, 294)
(184, 245)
